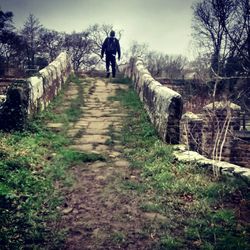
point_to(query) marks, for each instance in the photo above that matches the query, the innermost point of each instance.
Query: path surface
(101, 120)
(97, 213)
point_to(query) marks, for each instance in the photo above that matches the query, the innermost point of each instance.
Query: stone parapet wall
(27, 97)
(163, 105)
(224, 168)
(45, 86)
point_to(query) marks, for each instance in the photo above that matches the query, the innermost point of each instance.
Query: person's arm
(104, 46)
(118, 49)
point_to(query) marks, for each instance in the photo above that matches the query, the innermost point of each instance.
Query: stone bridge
(91, 133)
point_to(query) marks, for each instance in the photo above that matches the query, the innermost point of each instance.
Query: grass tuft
(74, 157)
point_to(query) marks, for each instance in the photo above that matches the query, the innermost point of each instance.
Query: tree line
(221, 36)
(222, 29)
(221, 32)
(34, 46)
(160, 64)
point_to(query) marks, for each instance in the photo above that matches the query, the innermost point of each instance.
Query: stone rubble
(225, 168)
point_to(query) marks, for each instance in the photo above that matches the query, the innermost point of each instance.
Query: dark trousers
(110, 59)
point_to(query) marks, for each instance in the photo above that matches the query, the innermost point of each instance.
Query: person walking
(110, 47)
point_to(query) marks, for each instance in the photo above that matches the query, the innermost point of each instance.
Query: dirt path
(97, 212)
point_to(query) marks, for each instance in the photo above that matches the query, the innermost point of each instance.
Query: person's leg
(108, 64)
(113, 65)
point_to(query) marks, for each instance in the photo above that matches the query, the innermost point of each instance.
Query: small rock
(121, 163)
(100, 178)
(108, 204)
(67, 210)
(82, 206)
(96, 232)
(114, 154)
(155, 216)
(54, 125)
(75, 211)
(98, 164)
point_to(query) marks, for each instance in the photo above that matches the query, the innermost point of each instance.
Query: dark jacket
(117, 47)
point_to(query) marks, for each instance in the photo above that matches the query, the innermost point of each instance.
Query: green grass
(121, 80)
(168, 242)
(111, 141)
(132, 185)
(74, 112)
(28, 199)
(118, 237)
(152, 207)
(73, 157)
(75, 79)
(31, 163)
(202, 212)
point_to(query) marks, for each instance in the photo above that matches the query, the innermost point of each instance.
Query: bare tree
(238, 32)
(11, 48)
(11, 43)
(161, 65)
(175, 66)
(30, 32)
(156, 63)
(200, 66)
(6, 28)
(80, 47)
(138, 50)
(6, 21)
(97, 33)
(223, 28)
(51, 42)
(208, 25)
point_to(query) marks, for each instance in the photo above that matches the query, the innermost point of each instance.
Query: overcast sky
(165, 25)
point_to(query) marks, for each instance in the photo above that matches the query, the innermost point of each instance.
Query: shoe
(108, 75)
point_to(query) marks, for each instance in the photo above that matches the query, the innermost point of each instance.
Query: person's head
(112, 33)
